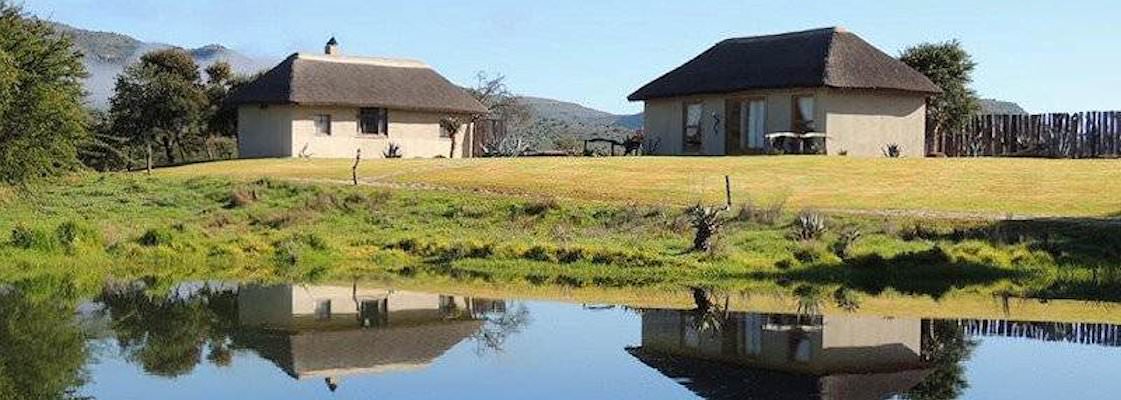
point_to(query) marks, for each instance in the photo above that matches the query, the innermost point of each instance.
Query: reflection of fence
(1077, 135)
(1082, 333)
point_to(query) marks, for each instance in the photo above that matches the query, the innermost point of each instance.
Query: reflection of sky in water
(1006, 368)
(567, 351)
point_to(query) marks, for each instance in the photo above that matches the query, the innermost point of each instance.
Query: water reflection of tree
(498, 326)
(42, 350)
(166, 335)
(946, 347)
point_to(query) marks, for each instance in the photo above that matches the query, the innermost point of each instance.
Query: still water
(229, 341)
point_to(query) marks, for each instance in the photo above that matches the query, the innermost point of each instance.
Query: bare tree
(503, 105)
(451, 124)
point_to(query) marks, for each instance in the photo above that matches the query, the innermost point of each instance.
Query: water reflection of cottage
(328, 332)
(785, 356)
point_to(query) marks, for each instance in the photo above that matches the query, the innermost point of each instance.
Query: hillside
(107, 54)
(564, 125)
(554, 121)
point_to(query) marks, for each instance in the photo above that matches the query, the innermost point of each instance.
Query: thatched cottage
(332, 105)
(826, 90)
(335, 332)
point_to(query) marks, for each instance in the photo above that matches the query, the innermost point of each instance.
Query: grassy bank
(993, 186)
(93, 227)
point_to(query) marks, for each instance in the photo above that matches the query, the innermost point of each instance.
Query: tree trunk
(451, 154)
(148, 157)
(354, 169)
(209, 151)
(179, 145)
(168, 149)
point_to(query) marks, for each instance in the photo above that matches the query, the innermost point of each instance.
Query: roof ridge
(291, 78)
(377, 61)
(826, 71)
(784, 34)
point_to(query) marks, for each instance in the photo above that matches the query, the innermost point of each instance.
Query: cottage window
(692, 128)
(373, 121)
(804, 114)
(322, 124)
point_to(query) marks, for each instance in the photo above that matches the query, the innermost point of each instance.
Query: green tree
(220, 118)
(41, 115)
(104, 149)
(44, 351)
(160, 100)
(946, 348)
(950, 67)
(167, 335)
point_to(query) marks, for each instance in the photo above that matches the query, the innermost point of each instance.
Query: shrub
(893, 150)
(67, 233)
(155, 237)
(808, 255)
(286, 254)
(392, 151)
(539, 253)
(784, 264)
(842, 248)
(918, 231)
(540, 207)
(706, 222)
(846, 299)
(809, 225)
(284, 219)
(242, 197)
(765, 215)
(25, 237)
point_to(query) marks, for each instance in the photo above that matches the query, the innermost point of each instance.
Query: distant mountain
(107, 54)
(561, 124)
(555, 123)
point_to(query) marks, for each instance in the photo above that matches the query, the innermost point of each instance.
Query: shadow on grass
(1080, 241)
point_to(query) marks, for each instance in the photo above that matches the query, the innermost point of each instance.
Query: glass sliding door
(753, 124)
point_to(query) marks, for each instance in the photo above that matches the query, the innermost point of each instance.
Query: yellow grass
(990, 186)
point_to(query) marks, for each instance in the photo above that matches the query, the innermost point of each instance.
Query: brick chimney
(332, 48)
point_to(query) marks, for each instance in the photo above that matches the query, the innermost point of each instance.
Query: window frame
(316, 119)
(381, 119)
(685, 126)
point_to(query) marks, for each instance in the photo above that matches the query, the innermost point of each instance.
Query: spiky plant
(706, 222)
(393, 151)
(809, 225)
(842, 248)
(893, 150)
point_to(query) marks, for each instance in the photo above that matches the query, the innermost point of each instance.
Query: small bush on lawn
(155, 237)
(27, 238)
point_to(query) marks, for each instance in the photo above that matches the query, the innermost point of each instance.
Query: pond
(218, 340)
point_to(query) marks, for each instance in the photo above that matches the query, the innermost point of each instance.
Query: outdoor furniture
(630, 146)
(802, 138)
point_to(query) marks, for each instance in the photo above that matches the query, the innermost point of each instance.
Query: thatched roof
(310, 354)
(830, 57)
(715, 380)
(357, 81)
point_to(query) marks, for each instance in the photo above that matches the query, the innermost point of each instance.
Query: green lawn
(95, 227)
(984, 186)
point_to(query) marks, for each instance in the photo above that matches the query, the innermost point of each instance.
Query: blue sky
(1045, 55)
